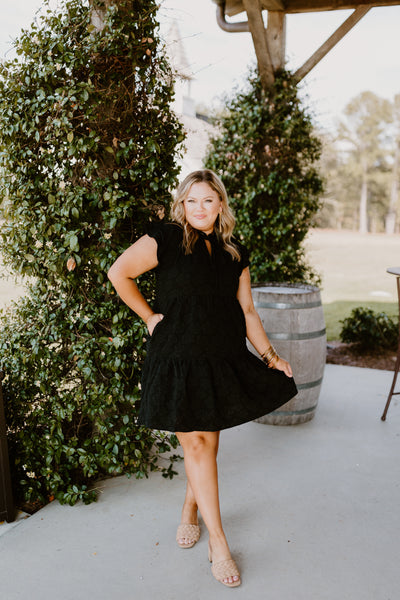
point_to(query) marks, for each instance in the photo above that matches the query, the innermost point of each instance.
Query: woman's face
(202, 206)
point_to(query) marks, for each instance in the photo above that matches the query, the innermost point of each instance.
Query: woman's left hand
(282, 365)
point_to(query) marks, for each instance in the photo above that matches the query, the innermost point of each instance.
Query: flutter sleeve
(244, 255)
(168, 237)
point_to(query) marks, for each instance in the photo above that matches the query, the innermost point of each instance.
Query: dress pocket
(157, 328)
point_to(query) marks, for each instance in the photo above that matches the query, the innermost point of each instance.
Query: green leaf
(73, 243)
(72, 374)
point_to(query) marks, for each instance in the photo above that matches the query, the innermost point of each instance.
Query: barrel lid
(286, 288)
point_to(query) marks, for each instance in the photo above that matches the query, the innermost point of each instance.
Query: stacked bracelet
(269, 355)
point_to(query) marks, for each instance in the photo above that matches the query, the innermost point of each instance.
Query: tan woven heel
(189, 532)
(224, 569)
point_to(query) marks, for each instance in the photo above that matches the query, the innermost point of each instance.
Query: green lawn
(334, 312)
(353, 272)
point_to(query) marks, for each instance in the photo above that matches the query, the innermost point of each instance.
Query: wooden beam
(300, 6)
(275, 5)
(234, 7)
(331, 42)
(258, 33)
(276, 38)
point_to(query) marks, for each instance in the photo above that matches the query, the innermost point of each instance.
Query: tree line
(360, 164)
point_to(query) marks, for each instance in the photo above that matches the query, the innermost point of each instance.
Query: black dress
(198, 374)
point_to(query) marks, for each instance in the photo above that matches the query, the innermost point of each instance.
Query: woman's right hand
(153, 320)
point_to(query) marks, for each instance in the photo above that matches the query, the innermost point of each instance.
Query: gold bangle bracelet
(269, 355)
(270, 350)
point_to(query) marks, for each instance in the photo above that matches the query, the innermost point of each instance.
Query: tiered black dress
(198, 374)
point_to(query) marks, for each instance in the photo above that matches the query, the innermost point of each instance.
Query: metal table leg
(395, 271)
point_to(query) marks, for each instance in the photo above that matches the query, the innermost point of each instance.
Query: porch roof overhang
(270, 42)
(234, 7)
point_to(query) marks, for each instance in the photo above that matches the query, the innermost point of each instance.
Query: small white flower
(49, 244)
(49, 53)
(38, 244)
(36, 39)
(58, 66)
(108, 235)
(61, 185)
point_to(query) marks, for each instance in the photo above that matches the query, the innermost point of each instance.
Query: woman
(199, 377)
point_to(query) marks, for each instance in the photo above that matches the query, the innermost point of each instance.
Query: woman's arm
(254, 328)
(136, 260)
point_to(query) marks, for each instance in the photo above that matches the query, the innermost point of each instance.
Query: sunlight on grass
(353, 267)
(335, 312)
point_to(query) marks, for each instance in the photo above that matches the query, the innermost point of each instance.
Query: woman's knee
(198, 442)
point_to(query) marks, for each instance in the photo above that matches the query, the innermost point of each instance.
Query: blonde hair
(223, 226)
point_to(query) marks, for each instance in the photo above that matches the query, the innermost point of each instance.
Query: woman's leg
(190, 508)
(200, 453)
(189, 514)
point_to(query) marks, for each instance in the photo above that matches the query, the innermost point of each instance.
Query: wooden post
(331, 42)
(7, 510)
(257, 30)
(276, 38)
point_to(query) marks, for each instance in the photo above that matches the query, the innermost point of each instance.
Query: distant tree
(365, 131)
(331, 211)
(391, 217)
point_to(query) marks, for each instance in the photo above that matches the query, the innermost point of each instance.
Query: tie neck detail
(210, 237)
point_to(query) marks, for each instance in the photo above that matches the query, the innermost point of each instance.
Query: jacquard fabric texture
(198, 374)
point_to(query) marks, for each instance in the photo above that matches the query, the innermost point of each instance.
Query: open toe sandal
(188, 531)
(224, 569)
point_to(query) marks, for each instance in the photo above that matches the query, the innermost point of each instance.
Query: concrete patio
(311, 512)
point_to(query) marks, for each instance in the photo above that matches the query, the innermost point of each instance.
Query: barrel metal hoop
(309, 384)
(287, 305)
(296, 336)
(287, 413)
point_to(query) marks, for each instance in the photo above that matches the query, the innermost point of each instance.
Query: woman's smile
(202, 206)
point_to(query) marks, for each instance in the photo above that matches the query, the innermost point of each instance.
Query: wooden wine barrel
(293, 319)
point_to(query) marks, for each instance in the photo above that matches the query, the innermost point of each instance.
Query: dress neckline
(210, 236)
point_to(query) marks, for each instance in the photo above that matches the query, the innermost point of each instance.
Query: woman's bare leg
(200, 453)
(190, 508)
(189, 513)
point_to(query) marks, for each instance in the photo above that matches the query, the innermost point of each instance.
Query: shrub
(265, 153)
(87, 142)
(370, 331)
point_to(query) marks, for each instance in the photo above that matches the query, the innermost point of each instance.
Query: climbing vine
(88, 148)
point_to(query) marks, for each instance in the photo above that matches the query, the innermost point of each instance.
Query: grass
(335, 312)
(353, 267)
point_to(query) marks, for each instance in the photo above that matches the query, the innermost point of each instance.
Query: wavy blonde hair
(225, 222)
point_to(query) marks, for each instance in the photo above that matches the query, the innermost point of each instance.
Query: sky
(367, 58)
